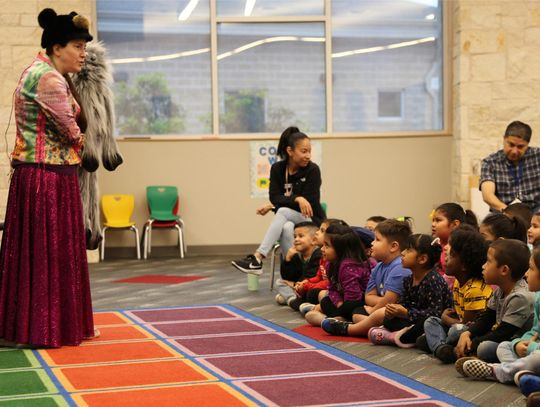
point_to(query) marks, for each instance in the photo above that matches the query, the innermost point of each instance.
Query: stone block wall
(496, 72)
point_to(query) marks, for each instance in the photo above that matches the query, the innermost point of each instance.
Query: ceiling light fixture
(249, 7)
(184, 15)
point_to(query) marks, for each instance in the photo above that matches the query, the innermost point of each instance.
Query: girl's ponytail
(471, 219)
(284, 141)
(520, 229)
(289, 138)
(453, 211)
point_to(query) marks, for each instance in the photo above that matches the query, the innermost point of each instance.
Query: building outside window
(239, 68)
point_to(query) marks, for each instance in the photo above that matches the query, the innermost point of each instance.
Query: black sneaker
(335, 327)
(249, 264)
(421, 343)
(445, 353)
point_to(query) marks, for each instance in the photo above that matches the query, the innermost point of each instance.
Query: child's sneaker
(306, 307)
(459, 364)
(445, 353)
(528, 381)
(421, 343)
(399, 334)
(335, 327)
(478, 369)
(290, 300)
(249, 264)
(281, 300)
(381, 336)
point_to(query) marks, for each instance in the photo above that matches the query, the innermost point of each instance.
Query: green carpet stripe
(25, 382)
(18, 358)
(49, 401)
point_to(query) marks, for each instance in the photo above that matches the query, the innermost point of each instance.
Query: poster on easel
(263, 154)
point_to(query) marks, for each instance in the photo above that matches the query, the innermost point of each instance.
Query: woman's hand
(265, 209)
(305, 206)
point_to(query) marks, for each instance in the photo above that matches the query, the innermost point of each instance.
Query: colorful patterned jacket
(46, 112)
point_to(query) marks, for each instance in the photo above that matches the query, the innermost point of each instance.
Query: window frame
(326, 19)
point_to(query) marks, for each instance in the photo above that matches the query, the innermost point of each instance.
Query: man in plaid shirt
(512, 174)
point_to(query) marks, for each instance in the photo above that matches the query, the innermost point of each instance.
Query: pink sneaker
(381, 336)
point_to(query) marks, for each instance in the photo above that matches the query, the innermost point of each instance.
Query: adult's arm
(488, 194)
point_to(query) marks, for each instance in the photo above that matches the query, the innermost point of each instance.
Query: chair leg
(149, 238)
(273, 265)
(183, 240)
(103, 243)
(145, 239)
(180, 240)
(137, 243)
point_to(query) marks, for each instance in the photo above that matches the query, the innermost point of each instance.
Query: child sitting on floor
(533, 233)
(425, 294)
(467, 251)
(446, 218)
(385, 284)
(300, 262)
(373, 221)
(519, 210)
(310, 290)
(509, 309)
(522, 354)
(498, 225)
(348, 274)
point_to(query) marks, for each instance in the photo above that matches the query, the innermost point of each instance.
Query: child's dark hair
(453, 211)
(519, 210)
(289, 138)
(346, 244)
(507, 227)
(424, 244)
(512, 253)
(536, 256)
(312, 227)
(376, 219)
(334, 221)
(395, 230)
(471, 248)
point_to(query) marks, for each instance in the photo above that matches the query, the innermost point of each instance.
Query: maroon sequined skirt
(44, 286)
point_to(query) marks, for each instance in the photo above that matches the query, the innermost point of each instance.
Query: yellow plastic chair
(117, 210)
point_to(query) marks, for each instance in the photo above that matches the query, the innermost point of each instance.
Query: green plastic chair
(163, 207)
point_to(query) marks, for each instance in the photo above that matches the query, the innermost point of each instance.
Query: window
(258, 66)
(287, 60)
(390, 105)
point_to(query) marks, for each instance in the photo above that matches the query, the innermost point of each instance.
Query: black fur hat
(60, 29)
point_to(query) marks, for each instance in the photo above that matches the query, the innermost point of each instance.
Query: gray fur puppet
(93, 85)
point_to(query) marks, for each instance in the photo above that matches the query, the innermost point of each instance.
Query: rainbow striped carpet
(201, 356)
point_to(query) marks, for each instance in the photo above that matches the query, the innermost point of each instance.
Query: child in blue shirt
(385, 283)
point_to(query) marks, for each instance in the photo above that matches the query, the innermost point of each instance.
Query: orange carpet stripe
(110, 352)
(131, 374)
(110, 318)
(215, 394)
(118, 333)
